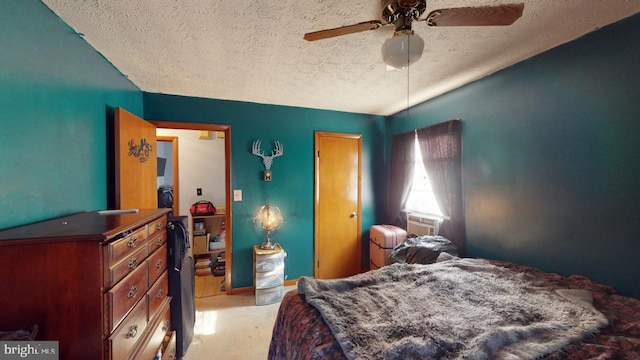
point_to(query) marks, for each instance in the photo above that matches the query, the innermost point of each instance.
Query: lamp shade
(403, 49)
(270, 219)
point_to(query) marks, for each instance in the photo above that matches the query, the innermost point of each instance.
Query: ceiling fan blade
(343, 30)
(476, 16)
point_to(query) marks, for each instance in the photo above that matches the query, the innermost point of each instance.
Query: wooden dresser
(95, 283)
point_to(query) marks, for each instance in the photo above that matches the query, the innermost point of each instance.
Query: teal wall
(552, 157)
(55, 93)
(292, 186)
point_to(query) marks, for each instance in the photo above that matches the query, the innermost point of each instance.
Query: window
(421, 197)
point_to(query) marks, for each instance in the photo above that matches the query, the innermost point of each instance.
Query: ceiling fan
(405, 47)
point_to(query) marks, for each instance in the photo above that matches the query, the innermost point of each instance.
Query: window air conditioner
(420, 224)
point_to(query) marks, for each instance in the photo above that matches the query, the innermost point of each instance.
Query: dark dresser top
(84, 225)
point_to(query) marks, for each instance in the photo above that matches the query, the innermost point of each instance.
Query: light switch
(237, 195)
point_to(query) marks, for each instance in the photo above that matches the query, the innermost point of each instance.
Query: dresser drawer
(157, 225)
(169, 347)
(269, 262)
(122, 297)
(159, 326)
(156, 241)
(157, 293)
(116, 250)
(123, 340)
(118, 271)
(270, 278)
(157, 263)
(269, 296)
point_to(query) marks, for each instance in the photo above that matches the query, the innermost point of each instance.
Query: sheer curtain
(441, 150)
(401, 177)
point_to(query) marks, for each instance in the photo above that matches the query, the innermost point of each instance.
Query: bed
(301, 332)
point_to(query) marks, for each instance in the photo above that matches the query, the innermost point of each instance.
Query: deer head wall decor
(267, 160)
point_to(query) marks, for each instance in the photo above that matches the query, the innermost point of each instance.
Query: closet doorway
(338, 224)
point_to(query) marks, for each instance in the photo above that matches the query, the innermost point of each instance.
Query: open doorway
(196, 153)
(199, 167)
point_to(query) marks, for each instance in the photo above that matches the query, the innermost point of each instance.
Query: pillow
(445, 257)
(422, 250)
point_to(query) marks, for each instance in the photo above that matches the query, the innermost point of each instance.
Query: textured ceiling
(252, 50)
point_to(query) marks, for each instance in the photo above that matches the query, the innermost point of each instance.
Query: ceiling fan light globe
(402, 50)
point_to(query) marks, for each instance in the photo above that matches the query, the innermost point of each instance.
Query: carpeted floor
(232, 327)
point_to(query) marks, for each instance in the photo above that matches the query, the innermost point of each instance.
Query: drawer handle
(159, 264)
(165, 326)
(133, 331)
(133, 263)
(133, 291)
(159, 226)
(159, 242)
(132, 242)
(160, 293)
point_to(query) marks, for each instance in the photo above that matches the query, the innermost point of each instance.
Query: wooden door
(135, 162)
(338, 227)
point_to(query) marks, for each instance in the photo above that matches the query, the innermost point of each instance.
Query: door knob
(354, 214)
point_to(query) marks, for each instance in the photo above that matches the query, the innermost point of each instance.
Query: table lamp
(270, 219)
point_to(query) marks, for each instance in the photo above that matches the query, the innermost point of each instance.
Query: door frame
(227, 181)
(176, 182)
(316, 196)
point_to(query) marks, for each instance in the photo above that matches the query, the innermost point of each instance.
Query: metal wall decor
(141, 151)
(267, 160)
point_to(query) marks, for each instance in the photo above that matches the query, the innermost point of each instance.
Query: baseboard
(241, 290)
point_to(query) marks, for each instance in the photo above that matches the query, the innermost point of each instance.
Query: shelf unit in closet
(209, 249)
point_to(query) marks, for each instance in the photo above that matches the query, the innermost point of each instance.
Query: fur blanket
(455, 309)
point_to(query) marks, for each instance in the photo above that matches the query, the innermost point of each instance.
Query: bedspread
(301, 333)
